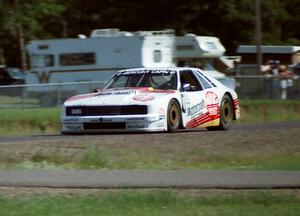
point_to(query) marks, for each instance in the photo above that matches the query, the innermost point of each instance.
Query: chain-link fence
(48, 95)
(43, 95)
(267, 87)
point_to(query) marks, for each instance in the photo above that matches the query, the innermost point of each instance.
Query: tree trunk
(21, 36)
(22, 47)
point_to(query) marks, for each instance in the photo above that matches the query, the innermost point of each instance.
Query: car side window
(188, 77)
(204, 83)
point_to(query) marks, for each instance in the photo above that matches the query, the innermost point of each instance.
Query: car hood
(119, 96)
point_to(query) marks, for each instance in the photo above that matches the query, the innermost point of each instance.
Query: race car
(153, 99)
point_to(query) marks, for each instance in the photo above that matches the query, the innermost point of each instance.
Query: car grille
(109, 125)
(106, 110)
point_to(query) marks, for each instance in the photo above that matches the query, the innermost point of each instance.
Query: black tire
(174, 116)
(226, 114)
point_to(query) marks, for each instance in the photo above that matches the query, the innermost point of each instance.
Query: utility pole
(258, 36)
(21, 36)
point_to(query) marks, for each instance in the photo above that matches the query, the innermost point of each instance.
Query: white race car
(153, 99)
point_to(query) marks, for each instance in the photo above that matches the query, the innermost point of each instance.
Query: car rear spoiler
(228, 82)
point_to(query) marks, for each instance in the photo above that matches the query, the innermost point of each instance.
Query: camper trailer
(106, 51)
(97, 57)
(202, 52)
(93, 59)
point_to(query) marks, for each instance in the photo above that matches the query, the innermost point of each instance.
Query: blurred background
(53, 49)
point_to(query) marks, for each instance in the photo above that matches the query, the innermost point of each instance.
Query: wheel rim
(173, 115)
(226, 111)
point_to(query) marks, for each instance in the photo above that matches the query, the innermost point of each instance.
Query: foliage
(232, 20)
(155, 202)
(29, 121)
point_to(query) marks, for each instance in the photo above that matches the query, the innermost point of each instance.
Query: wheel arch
(232, 103)
(181, 126)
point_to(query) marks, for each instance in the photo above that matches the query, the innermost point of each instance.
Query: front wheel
(226, 114)
(174, 116)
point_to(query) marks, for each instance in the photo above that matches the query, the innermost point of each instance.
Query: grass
(253, 150)
(258, 111)
(7, 101)
(154, 202)
(95, 153)
(47, 120)
(29, 121)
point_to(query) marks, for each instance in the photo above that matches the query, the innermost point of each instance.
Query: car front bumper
(119, 123)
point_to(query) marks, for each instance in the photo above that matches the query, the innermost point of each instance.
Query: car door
(192, 96)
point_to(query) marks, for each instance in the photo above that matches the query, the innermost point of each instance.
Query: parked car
(11, 76)
(153, 99)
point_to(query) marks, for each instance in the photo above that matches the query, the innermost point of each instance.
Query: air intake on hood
(106, 110)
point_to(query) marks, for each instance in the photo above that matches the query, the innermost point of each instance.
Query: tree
(24, 20)
(233, 21)
(290, 32)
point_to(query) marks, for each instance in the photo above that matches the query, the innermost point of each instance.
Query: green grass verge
(258, 111)
(47, 120)
(154, 203)
(29, 121)
(235, 157)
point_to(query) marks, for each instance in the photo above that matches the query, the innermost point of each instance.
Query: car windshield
(158, 79)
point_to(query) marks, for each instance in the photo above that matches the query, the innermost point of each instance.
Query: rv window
(157, 56)
(185, 47)
(69, 59)
(42, 61)
(43, 47)
(211, 45)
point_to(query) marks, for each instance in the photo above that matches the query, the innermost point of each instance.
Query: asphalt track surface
(150, 179)
(58, 137)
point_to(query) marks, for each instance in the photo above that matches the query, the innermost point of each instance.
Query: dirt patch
(67, 192)
(186, 149)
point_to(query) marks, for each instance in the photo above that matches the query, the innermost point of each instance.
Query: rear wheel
(226, 114)
(174, 116)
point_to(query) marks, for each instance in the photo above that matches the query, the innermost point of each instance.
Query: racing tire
(226, 114)
(174, 116)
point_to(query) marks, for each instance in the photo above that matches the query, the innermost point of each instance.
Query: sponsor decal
(71, 120)
(196, 109)
(213, 111)
(203, 118)
(75, 127)
(129, 92)
(143, 97)
(164, 72)
(212, 103)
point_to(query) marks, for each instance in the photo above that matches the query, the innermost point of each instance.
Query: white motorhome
(98, 57)
(106, 51)
(92, 59)
(200, 51)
